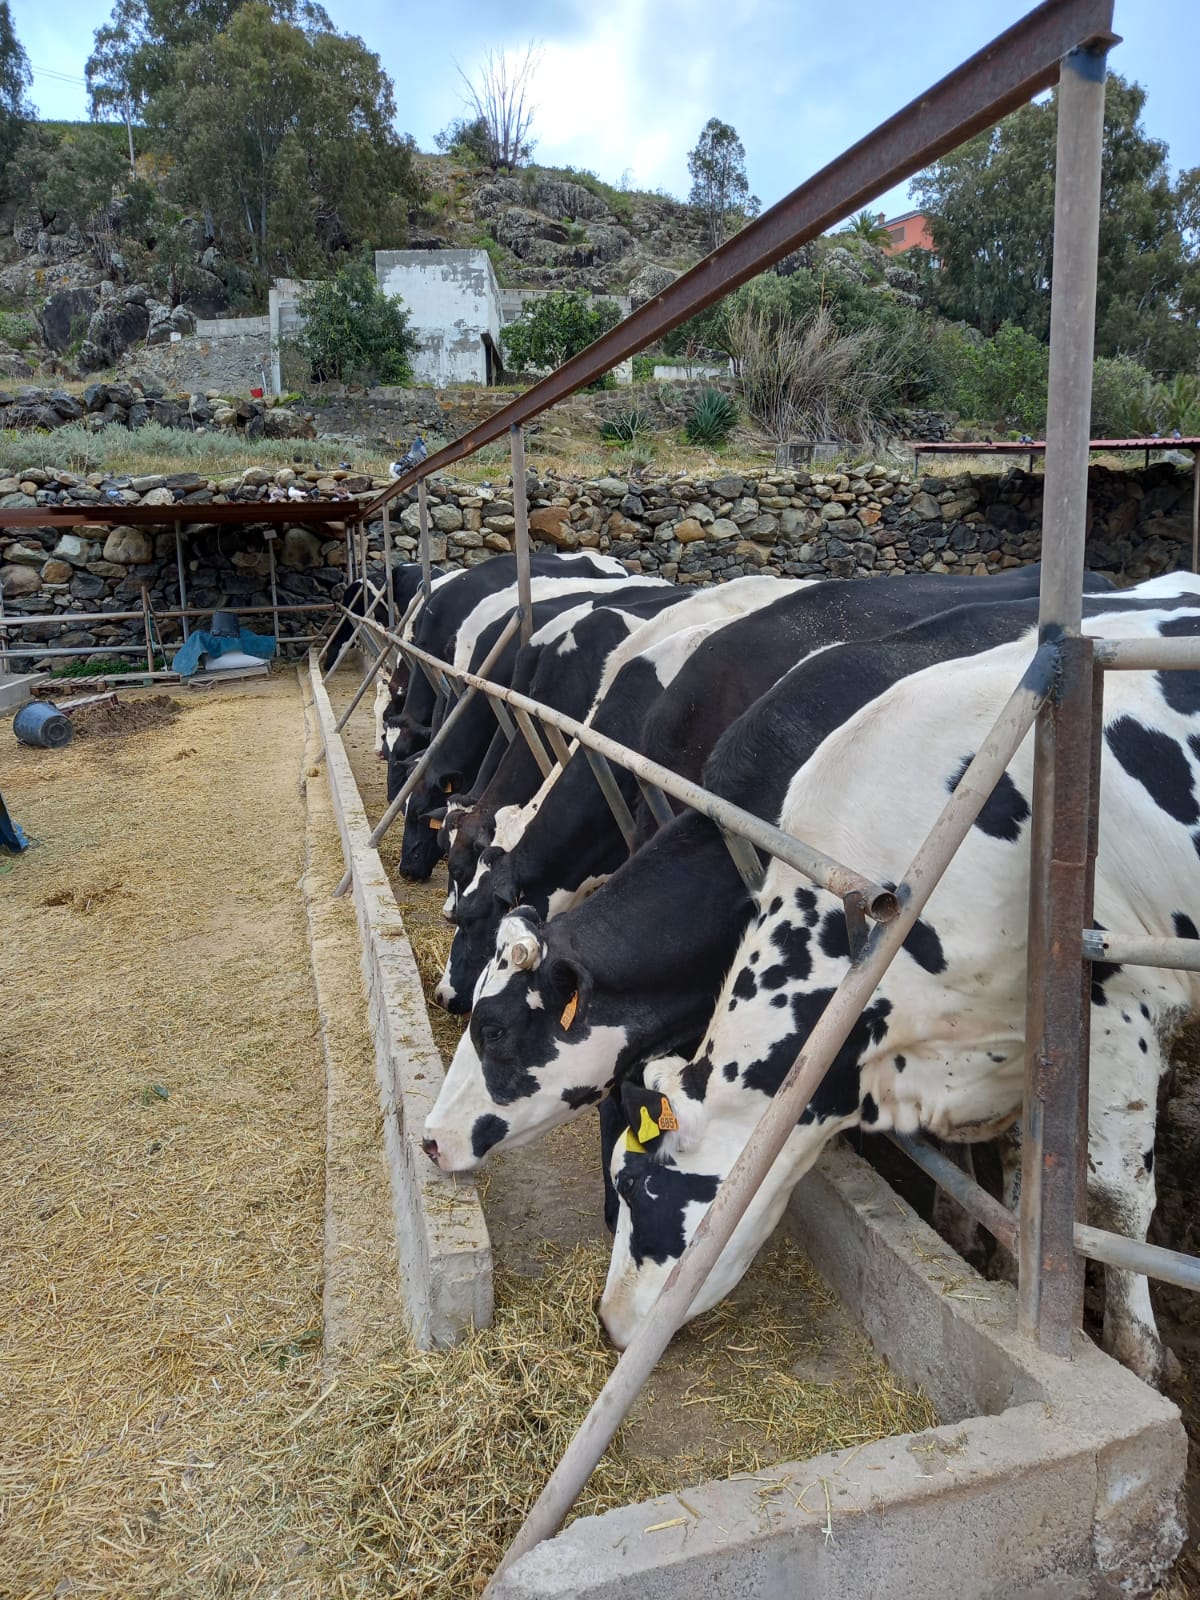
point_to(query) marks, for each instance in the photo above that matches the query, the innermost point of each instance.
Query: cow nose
(430, 1148)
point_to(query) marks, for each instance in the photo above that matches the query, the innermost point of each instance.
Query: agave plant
(712, 419)
(627, 427)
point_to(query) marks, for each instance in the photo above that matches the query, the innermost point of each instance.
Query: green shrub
(1123, 399)
(353, 331)
(1179, 404)
(712, 419)
(1001, 382)
(643, 368)
(627, 427)
(16, 330)
(555, 327)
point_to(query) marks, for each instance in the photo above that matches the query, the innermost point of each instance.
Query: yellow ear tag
(632, 1145)
(435, 823)
(668, 1122)
(648, 1129)
(447, 786)
(569, 1010)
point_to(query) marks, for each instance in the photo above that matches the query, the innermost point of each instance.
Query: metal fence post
(1054, 1147)
(423, 515)
(183, 580)
(521, 518)
(389, 576)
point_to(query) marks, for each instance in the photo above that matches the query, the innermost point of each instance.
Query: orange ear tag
(569, 1010)
(447, 786)
(435, 823)
(668, 1122)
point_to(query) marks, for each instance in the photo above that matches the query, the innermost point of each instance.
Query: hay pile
(453, 1448)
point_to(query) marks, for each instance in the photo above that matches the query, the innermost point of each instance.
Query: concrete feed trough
(1046, 1477)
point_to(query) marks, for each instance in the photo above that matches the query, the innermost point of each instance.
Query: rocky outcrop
(133, 404)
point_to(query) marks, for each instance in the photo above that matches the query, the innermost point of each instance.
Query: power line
(62, 77)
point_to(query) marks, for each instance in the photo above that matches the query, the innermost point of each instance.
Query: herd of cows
(636, 970)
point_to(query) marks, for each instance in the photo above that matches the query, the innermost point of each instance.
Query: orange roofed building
(906, 231)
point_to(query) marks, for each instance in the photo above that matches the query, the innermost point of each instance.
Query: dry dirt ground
(172, 1423)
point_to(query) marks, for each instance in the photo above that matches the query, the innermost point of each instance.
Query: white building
(456, 310)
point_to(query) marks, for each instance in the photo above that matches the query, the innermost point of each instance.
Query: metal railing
(1060, 697)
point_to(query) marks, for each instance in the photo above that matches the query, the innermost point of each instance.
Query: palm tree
(868, 225)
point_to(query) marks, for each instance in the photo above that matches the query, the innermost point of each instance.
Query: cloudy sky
(624, 86)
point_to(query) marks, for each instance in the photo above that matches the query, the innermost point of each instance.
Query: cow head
(479, 910)
(534, 1056)
(666, 1171)
(424, 816)
(470, 833)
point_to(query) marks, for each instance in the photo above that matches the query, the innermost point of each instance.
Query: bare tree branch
(500, 100)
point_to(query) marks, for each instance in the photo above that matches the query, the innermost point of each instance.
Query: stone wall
(859, 522)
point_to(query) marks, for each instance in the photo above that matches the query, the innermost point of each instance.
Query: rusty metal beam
(1018, 64)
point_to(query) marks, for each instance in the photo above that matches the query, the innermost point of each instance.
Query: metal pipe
(67, 617)
(521, 531)
(146, 627)
(975, 1201)
(183, 580)
(270, 543)
(423, 538)
(533, 740)
(1055, 1126)
(1133, 1255)
(1003, 75)
(779, 1119)
(656, 803)
(1148, 655)
(879, 902)
(1195, 510)
(746, 859)
(609, 788)
(1130, 950)
(360, 691)
(423, 765)
(46, 651)
(557, 743)
(389, 576)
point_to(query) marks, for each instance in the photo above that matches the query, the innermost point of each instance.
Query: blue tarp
(187, 657)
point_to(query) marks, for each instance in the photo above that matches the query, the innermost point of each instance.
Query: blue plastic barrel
(42, 723)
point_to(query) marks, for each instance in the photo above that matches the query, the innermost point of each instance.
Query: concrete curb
(1060, 1480)
(442, 1243)
(16, 690)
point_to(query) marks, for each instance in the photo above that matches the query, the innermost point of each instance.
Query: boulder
(26, 555)
(280, 423)
(446, 518)
(688, 530)
(553, 523)
(300, 549)
(161, 496)
(650, 282)
(85, 586)
(728, 487)
(64, 316)
(73, 548)
(129, 546)
(926, 507)
(56, 572)
(16, 581)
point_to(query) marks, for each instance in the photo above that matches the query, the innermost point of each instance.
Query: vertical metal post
(274, 588)
(182, 580)
(146, 625)
(1195, 509)
(388, 575)
(521, 542)
(1054, 1147)
(4, 668)
(423, 520)
(349, 554)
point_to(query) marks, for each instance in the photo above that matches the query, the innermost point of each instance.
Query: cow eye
(492, 1033)
(626, 1183)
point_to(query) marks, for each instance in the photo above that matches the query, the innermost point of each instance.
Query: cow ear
(648, 1113)
(435, 819)
(567, 989)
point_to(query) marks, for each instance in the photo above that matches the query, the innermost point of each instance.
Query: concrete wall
(231, 327)
(454, 301)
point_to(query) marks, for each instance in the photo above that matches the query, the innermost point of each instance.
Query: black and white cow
(449, 610)
(940, 1047)
(673, 704)
(567, 1007)
(566, 677)
(461, 750)
(565, 841)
